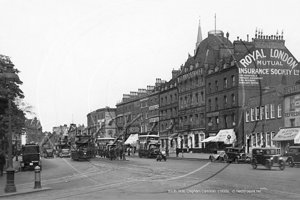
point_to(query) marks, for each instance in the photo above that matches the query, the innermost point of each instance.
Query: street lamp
(9, 76)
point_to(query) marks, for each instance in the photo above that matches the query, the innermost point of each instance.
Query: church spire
(199, 36)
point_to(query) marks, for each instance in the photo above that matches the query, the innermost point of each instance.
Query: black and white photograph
(149, 99)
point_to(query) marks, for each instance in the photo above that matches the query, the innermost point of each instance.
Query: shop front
(287, 137)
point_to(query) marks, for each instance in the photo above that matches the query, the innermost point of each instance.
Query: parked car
(30, 157)
(65, 153)
(217, 155)
(268, 157)
(293, 155)
(236, 155)
(48, 153)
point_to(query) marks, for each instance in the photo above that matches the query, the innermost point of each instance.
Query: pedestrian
(2, 162)
(128, 150)
(121, 153)
(177, 152)
(111, 153)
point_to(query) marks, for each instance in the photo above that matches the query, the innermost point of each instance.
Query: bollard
(37, 177)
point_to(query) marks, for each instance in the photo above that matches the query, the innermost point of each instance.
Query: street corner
(24, 191)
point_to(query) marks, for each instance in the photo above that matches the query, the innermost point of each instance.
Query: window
(262, 113)
(197, 80)
(267, 111)
(247, 116)
(196, 118)
(191, 119)
(216, 102)
(216, 85)
(233, 99)
(197, 98)
(171, 99)
(273, 135)
(252, 113)
(257, 113)
(180, 102)
(225, 101)
(209, 105)
(254, 140)
(217, 121)
(185, 119)
(292, 103)
(292, 122)
(225, 83)
(279, 110)
(202, 96)
(233, 80)
(225, 121)
(272, 111)
(180, 120)
(209, 87)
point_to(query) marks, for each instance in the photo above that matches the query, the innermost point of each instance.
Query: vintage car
(48, 153)
(65, 153)
(30, 157)
(217, 155)
(268, 157)
(236, 155)
(293, 155)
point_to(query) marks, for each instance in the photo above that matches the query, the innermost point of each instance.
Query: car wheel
(291, 163)
(254, 164)
(281, 165)
(268, 165)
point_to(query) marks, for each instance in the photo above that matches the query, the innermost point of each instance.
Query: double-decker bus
(83, 148)
(148, 146)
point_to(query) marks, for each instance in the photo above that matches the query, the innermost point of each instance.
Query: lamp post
(8, 76)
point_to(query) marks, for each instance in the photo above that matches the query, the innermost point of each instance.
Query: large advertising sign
(267, 66)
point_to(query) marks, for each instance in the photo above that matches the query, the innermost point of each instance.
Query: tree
(10, 90)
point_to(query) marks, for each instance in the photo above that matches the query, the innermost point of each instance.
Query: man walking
(2, 162)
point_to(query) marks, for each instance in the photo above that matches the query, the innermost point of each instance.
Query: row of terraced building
(211, 93)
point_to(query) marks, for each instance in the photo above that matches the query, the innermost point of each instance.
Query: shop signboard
(266, 66)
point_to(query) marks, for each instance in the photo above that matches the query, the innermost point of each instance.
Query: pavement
(3, 181)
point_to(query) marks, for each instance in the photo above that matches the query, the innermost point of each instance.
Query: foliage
(10, 90)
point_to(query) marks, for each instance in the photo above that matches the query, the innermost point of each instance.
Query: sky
(76, 56)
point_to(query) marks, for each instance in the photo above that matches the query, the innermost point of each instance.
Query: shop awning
(131, 140)
(226, 135)
(288, 134)
(209, 139)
